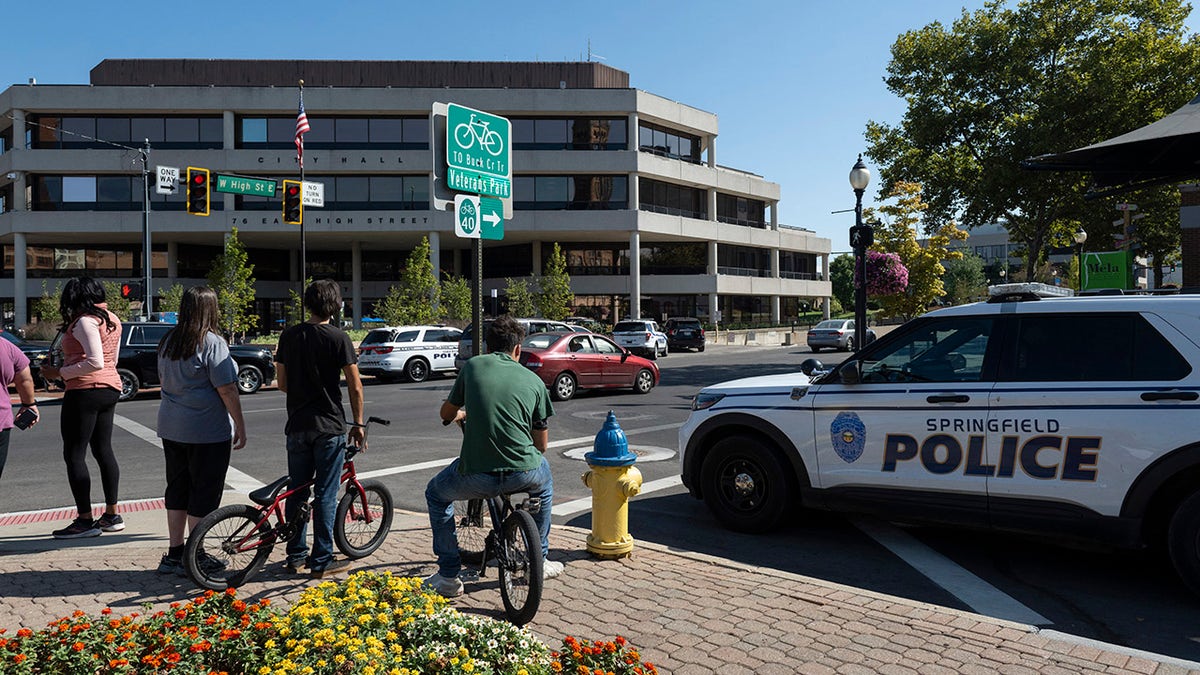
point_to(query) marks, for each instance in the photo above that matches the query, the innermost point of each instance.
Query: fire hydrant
(613, 480)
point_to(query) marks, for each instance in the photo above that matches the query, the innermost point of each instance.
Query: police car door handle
(948, 398)
(1170, 396)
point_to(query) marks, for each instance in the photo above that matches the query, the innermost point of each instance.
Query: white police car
(408, 351)
(1072, 416)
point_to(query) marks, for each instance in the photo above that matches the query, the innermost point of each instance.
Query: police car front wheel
(1183, 541)
(745, 484)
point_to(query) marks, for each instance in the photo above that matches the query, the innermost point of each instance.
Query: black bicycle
(230, 545)
(511, 539)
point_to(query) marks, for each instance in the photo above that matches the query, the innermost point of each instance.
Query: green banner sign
(241, 185)
(478, 152)
(1107, 269)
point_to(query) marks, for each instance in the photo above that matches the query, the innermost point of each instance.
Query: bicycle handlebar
(370, 420)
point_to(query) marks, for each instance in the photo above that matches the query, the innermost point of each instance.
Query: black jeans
(4, 436)
(87, 419)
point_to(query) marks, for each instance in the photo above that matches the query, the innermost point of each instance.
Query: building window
(741, 210)
(676, 145)
(796, 265)
(576, 133)
(101, 132)
(672, 258)
(51, 262)
(357, 193)
(102, 193)
(678, 200)
(335, 133)
(591, 259)
(572, 192)
(743, 261)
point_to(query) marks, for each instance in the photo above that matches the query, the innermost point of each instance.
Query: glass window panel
(620, 192)
(74, 127)
(145, 128)
(212, 130)
(672, 144)
(125, 260)
(114, 189)
(114, 129)
(182, 129)
(79, 188)
(158, 260)
(330, 187)
(416, 130)
(102, 260)
(660, 140)
(553, 189)
(254, 130)
(523, 189)
(349, 130)
(550, 131)
(321, 130)
(685, 147)
(522, 131)
(385, 131)
(616, 132)
(69, 258)
(645, 137)
(283, 130)
(416, 190)
(387, 188)
(353, 189)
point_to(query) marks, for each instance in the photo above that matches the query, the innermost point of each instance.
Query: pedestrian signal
(197, 191)
(131, 289)
(293, 202)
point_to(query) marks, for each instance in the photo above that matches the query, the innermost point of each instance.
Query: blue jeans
(316, 456)
(450, 486)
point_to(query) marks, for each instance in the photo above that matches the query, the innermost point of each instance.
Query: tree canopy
(555, 298)
(1004, 84)
(232, 277)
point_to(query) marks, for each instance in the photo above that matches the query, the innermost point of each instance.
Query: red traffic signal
(293, 202)
(197, 191)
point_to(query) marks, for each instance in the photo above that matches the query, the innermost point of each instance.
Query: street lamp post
(861, 237)
(1080, 237)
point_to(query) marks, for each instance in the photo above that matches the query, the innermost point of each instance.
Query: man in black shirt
(311, 358)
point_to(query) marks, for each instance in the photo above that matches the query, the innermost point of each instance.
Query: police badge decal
(849, 436)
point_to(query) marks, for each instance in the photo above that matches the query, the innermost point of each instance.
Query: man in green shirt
(503, 448)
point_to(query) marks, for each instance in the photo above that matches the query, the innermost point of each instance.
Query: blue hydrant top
(610, 447)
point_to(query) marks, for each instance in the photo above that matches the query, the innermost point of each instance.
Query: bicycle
(466, 133)
(512, 541)
(229, 546)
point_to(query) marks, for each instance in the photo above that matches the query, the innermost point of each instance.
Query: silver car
(837, 334)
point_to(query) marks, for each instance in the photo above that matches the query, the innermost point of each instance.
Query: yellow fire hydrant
(613, 480)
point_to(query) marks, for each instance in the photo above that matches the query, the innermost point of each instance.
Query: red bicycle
(229, 546)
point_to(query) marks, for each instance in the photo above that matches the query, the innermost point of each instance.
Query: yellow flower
(339, 659)
(269, 644)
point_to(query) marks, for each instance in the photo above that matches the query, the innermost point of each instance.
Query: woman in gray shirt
(199, 420)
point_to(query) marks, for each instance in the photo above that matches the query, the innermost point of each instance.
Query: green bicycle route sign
(478, 217)
(241, 185)
(478, 152)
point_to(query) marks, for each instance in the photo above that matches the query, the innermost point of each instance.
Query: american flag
(301, 129)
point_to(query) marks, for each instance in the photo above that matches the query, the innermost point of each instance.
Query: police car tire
(764, 508)
(417, 369)
(1183, 541)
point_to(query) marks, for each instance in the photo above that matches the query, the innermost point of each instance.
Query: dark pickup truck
(137, 362)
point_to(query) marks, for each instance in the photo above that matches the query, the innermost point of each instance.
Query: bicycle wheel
(470, 516)
(355, 535)
(464, 136)
(520, 568)
(493, 143)
(228, 547)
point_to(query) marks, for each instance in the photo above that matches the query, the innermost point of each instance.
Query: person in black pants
(91, 336)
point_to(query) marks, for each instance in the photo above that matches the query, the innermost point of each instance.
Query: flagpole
(303, 250)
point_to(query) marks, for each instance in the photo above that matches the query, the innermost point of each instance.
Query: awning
(1166, 151)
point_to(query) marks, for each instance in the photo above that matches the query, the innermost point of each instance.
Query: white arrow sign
(168, 180)
(491, 218)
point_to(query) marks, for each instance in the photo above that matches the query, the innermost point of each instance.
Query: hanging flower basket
(886, 275)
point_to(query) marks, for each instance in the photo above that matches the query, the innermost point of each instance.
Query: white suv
(641, 337)
(408, 351)
(1077, 417)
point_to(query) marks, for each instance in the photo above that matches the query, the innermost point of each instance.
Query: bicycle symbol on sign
(466, 133)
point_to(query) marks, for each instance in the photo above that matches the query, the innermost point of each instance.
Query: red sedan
(568, 362)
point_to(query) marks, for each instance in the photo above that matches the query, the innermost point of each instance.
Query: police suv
(412, 352)
(1072, 416)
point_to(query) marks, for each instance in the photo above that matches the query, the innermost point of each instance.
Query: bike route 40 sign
(478, 152)
(478, 217)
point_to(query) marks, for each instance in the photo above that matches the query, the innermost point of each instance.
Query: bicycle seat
(264, 495)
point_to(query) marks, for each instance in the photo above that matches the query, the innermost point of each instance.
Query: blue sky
(793, 82)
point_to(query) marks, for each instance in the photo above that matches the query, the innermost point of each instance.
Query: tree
(555, 299)
(414, 300)
(171, 298)
(456, 299)
(1002, 85)
(964, 280)
(520, 298)
(294, 311)
(232, 277)
(897, 233)
(841, 278)
(116, 304)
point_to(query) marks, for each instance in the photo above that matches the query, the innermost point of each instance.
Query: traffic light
(293, 202)
(197, 191)
(131, 290)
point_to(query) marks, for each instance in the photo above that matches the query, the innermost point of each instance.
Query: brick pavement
(689, 613)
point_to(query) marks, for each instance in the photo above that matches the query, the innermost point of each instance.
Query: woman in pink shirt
(91, 338)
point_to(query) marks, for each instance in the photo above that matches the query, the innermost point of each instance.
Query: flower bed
(369, 624)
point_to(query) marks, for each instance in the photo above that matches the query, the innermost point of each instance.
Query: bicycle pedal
(531, 505)
(468, 575)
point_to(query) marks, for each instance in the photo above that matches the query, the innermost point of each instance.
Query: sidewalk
(685, 612)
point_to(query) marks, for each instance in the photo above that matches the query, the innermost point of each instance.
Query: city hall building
(626, 182)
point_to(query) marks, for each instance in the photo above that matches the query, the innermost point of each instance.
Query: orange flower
(264, 602)
(180, 614)
(113, 663)
(620, 640)
(230, 592)
(24, 633)
(238, 606)
(78, 646)
(19, 658)
(556, 666)
(77, 613)
(106, 611)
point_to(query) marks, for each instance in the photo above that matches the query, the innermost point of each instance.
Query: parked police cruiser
(1073, 416)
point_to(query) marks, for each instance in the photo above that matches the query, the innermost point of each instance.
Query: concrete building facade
(626, 182)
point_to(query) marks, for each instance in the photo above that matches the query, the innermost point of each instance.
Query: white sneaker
(447, 587)
(551, 569)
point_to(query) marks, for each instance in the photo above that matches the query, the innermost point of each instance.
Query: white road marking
(976, 593)
(432, 464)
(585, 504)
(237, 480)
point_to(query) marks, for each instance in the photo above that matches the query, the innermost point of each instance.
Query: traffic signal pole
(146, 230)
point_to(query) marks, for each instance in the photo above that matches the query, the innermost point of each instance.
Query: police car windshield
(377, 336)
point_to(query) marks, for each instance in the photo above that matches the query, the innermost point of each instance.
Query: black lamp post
(861, 237)
(1080, 237)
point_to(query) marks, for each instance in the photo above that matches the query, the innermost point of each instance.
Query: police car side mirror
(810, 366)
(850, 372)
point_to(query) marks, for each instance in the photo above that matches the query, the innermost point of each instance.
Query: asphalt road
(1127, 598)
